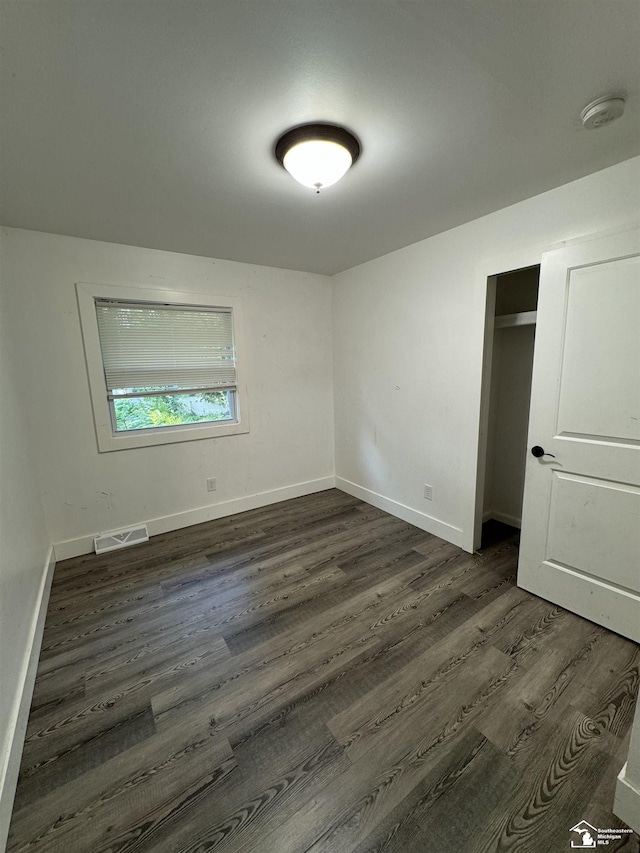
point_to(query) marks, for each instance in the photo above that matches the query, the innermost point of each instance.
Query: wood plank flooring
(317, 676)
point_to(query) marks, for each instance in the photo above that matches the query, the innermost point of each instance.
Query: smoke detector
(602, 111)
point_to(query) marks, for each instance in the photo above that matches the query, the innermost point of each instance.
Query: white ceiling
(152, 122)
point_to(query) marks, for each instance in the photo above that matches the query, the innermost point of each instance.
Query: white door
(580, 544)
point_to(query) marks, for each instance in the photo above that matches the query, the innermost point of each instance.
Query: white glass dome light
(317, 163)
(317, 155)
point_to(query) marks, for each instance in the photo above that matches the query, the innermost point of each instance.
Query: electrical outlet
(211, 484)
(428, 492)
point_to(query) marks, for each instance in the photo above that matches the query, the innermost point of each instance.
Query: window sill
(108, 440)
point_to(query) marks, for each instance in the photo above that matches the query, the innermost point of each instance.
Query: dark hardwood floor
(317, 676)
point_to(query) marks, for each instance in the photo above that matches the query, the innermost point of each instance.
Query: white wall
(408, 343)
(24, 547)
(289, 450)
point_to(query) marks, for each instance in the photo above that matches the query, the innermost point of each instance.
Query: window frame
(107, 437)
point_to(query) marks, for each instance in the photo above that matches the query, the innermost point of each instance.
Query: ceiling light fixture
(317, 155)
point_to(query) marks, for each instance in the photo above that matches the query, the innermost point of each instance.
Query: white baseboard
(419, 519)
(512, 520)
(17, 726)
(626, 804)
(176, 521)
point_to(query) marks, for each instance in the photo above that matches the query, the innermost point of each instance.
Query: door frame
(488, 274)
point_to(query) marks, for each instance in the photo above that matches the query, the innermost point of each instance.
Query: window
(160, 370)
(166, 365)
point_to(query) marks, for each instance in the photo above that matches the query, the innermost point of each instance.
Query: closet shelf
(522, 318)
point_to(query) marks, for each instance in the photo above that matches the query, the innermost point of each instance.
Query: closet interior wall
(510, 394)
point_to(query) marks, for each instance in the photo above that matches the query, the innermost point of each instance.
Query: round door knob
(538, 451)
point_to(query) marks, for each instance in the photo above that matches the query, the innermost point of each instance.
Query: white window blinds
(157, 346)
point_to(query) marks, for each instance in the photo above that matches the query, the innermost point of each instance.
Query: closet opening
(512, 300)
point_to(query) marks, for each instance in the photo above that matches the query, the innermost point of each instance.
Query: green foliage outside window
(170, 409)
